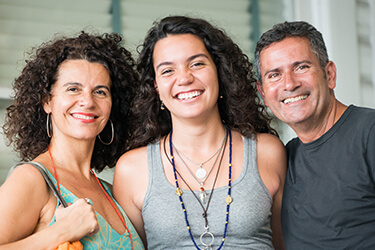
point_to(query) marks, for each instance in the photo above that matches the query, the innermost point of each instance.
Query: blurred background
(348, 27)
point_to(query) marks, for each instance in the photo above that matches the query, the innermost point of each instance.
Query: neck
(193, 130)
(73, 155)
(198, 141)
(197, 136)
(315, 129)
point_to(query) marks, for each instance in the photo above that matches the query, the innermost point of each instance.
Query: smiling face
(294, 86)
(81, 100)
(185, 76)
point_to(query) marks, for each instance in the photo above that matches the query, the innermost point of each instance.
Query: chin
(291, 119)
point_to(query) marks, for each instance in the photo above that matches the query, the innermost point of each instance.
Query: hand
(79, 219)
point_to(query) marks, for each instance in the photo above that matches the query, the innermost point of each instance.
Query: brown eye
(197, 64)
(273, 75)
(303, 67)
(72, 89)
(101, 92)
(167, 71)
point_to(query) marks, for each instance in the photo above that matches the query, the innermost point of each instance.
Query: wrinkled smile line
(295, 99)
(190, 95)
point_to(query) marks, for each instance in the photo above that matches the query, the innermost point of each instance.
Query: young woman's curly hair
(240, 106)
(25, 122)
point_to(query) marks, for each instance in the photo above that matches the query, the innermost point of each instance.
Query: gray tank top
(249, 214)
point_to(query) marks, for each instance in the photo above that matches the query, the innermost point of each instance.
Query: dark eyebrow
(301, 62)
(72, 84)
(189, 59)
(81, 85)
(196, 56)
(102, 86)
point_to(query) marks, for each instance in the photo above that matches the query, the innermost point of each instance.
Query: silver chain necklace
(202, 193)
(201, 172)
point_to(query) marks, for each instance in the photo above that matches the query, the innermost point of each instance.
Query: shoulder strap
(43, 171)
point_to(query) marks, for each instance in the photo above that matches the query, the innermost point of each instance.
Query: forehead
(79, 65)
(79, 68)
(175, 47)
(291, 49)
(80, 71)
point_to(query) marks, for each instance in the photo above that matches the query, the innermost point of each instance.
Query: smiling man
(329, 193)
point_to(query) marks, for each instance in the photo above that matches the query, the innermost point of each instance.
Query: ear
(46, 105)
(261, 92)
(156, 86)
(330, 70)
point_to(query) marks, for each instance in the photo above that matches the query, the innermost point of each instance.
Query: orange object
(70, 246)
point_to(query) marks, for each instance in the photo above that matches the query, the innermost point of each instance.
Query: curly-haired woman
(70, 114)
(207, 170)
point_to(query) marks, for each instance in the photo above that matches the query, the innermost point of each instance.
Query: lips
(188, 95)
(294, 99)
(84, 117)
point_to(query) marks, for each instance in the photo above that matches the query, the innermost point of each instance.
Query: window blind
(24, 24)
(233, 16)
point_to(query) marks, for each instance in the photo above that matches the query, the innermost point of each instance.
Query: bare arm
(28, 206)
(130, 184)
(272, 164)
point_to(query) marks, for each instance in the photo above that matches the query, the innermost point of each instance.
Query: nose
(185, 77)
(291, 82)
(86, 100)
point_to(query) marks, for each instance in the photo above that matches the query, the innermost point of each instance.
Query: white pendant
(202, 196)
(201, 173)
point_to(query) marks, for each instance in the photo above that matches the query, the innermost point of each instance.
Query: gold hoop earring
(49, 125)
(113, 135)
(162, 107)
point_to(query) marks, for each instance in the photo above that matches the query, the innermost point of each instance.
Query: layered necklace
(106, 194)
(228, 199)
(201, 174)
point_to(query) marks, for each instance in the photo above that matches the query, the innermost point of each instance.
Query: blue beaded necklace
(228, 200)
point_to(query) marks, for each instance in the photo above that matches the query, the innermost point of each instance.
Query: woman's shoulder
(270, 150)
(25, 173)
(133, 156)
(24, 188)
(265, 140)
(272, 161)
(132, 161)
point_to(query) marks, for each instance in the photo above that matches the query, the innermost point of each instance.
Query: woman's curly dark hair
(25, 122)
(240, 107)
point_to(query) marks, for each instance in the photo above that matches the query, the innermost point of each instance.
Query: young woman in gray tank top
(206, 170)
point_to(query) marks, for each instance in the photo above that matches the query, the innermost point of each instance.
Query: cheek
(108, 107)
(164, 90)
(269, 91)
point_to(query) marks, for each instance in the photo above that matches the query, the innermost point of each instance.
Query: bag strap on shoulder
(42, 169)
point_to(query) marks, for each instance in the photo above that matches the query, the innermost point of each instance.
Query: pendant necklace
(202, 193)
(228, 200)
(201, 172)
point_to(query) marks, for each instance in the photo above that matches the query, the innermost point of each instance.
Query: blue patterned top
(106, 237)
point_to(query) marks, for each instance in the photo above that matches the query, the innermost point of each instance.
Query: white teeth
(83, 117)
(190, 95)
(295, 99)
